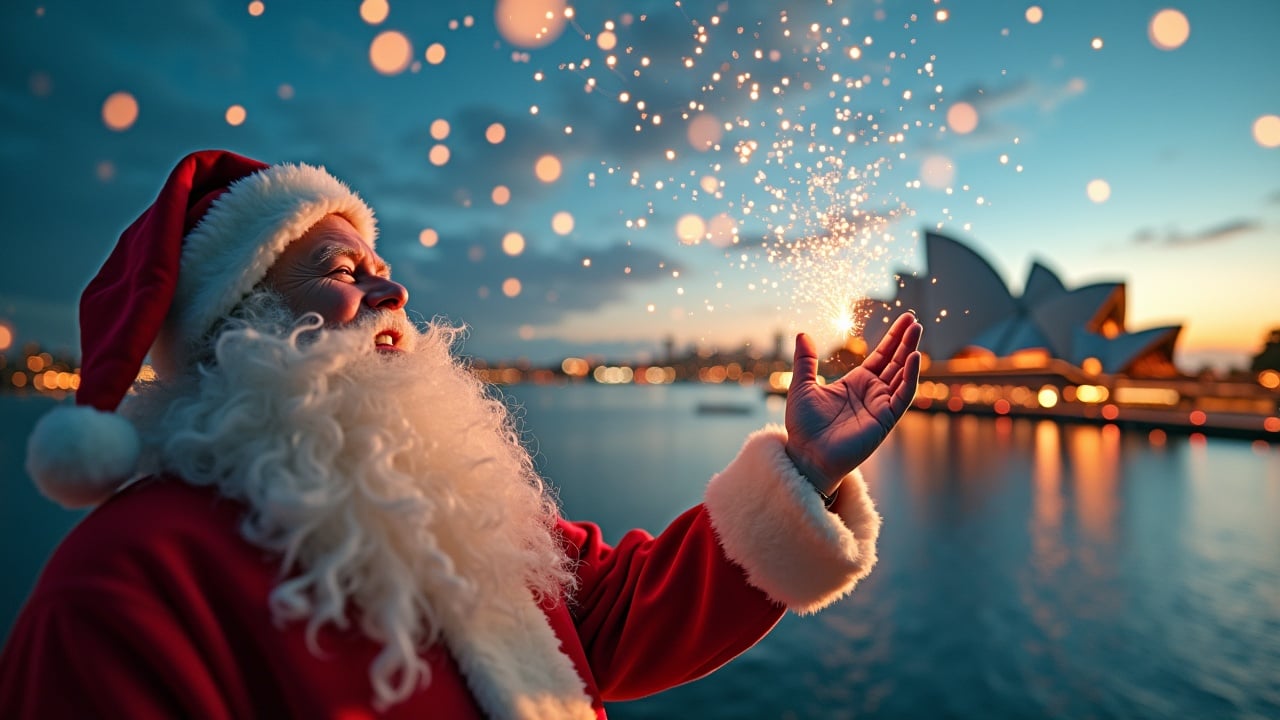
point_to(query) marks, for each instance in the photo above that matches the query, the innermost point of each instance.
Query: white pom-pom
(78, 456)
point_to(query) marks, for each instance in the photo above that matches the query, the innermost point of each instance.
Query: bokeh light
(562, 222)
(236, 115)
(120, 111)
(1266, 131)
(1098, 190)
(501, 195)
(495, 133)
(374, 11)
(428, 237)
(390, 52)
(722, 231)
(547, 168)
(511, 287)
(435, 53)
(704, 132)
(606, 40)
(962, 118)
(440, 129)
(529, 23)
(256, 8)
(1096, 43)
(6, 337)
(937, 171)
(513, 243)
(690, 229)
(1169, 29)
(439, 155)
(1034, 14)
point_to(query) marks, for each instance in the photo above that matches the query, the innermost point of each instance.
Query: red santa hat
(216, 228)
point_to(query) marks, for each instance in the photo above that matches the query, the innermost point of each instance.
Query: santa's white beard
(395, 488)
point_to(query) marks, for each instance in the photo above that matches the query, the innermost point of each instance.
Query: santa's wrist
(822, 482)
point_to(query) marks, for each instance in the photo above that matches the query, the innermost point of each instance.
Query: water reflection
(1026, 569)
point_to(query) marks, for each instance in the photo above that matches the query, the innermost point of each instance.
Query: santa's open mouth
(387, 340)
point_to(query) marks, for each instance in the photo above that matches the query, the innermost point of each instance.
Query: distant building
(971, 316)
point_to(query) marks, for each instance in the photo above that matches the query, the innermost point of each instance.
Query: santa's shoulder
(158, 536)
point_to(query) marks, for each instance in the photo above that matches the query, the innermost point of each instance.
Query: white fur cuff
(770, 521)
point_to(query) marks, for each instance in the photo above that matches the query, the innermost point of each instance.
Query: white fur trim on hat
(78, 456)
(238, 240)
(771, 521)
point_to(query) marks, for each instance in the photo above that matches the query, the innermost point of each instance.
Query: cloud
(1008, 110)
(1174, 238)
(462, 278)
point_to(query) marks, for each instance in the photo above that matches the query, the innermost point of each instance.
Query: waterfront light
(1091, 394)
(1147, 396)
(1047, 397)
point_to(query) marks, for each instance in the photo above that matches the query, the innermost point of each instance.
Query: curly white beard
(389, 482)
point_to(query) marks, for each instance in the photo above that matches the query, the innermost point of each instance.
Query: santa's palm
(833, 428)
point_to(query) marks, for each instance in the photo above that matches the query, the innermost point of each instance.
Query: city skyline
(1095, 146)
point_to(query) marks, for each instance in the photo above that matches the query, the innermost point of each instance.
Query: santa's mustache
(386, 330)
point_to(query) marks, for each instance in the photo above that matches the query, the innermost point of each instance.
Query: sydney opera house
(1056, 351)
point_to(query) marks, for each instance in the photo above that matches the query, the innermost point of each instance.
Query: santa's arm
(656, 612)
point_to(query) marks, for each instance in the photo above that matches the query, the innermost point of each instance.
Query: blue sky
(1192, 222)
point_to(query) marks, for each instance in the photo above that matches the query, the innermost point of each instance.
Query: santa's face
(332, 272)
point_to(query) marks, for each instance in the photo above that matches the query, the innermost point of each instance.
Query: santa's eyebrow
(329, 252)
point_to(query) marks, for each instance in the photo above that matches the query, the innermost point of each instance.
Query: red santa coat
(155, 606)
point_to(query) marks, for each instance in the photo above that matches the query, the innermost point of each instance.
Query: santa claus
(315, 510)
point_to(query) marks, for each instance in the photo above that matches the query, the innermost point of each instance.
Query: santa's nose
(387, 294)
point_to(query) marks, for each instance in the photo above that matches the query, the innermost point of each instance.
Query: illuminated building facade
(973, 320)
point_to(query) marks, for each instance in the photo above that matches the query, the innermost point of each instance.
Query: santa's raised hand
(831, 429)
